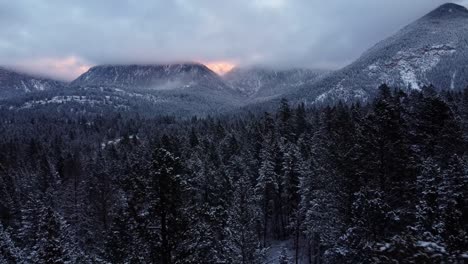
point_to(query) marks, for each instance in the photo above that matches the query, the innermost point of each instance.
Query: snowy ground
(274, 252)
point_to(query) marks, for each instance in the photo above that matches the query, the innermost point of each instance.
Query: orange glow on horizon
(65, 68)
(220, 67)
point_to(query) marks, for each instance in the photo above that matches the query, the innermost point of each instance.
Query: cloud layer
(63, 38)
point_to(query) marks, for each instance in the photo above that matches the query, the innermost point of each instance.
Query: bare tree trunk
(265, 221)
(296, 241)
(166, 252)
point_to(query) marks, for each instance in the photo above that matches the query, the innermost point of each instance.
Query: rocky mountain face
(432, 50)
(13, 83)
(264, 82)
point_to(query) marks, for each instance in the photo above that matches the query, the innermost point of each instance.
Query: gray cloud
(63, 38)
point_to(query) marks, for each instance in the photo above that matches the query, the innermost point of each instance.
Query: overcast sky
(63, 38)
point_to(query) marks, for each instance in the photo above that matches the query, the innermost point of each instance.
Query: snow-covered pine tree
(208, 208)
(168, 204)
(286, 121)
(266, 186)
(420, 242)
(9, 253)
(429, 226)
(319, 205)
(452, 205)
(242, 239)
(284, 257)
(362, 241)
(30, 222)
(121, 242)
(51, 245)
(292, 169)
(9, 198)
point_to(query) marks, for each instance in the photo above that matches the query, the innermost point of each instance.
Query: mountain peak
(448, 10)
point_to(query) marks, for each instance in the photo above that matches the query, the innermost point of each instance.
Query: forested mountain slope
(263, 83)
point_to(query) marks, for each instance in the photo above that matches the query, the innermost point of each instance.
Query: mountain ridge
(13, 83)
(150, 76)
(431, 50)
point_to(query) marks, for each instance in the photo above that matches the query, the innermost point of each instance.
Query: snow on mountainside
(13, 83)
(178, 89)
(431, 50)
(174, 89)
(155, 77)
(263, 82)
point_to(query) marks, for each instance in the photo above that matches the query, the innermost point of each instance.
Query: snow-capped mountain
(173, 89)
(13, 83)
(431, 50)
(263, 82)
(161, 77)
